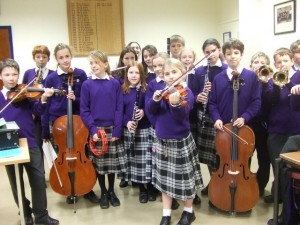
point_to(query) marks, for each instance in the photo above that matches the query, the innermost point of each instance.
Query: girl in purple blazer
(101, 109)
(58, 104)
(176, 169)
(136, 132)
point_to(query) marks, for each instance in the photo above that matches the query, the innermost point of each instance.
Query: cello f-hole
(223, 171)
(244, 174)
(62, 159)
(80, 157)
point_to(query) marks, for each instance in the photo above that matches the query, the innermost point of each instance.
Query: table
(23, 157)
(292, 159)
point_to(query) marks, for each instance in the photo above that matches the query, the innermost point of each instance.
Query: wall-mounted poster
(6, 44)
(285, 17)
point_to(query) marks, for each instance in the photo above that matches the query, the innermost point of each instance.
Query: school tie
(235, 74)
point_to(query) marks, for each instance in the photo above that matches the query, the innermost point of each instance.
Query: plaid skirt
(139, 165)
(152, 137)
(176, 169)
(114, 159)
(206, 141)
(194, 131)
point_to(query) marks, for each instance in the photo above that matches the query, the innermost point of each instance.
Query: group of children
(160, 115)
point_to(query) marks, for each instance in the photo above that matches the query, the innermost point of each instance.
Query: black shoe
(143, 197)
(104, 204)
(70, 199)
(151, 196)
(114, 201)
(204, 191)
(270, 199)
(279, 221)
(175, 204)
(92, 197)
(186, 218)
(47, 221)
(165, 220)
(123, 183)
(197, 200)
(28, 220)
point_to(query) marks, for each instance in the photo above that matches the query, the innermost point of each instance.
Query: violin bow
(17, 95)
(119, 68)
(184, 74)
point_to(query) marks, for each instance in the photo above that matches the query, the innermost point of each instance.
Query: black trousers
(275, 145)
(263, 172)
(36, 177)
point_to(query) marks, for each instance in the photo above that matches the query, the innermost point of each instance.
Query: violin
(22, 91)
(177, 88)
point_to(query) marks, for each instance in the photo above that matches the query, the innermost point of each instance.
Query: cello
(72, 172)
(233, 187)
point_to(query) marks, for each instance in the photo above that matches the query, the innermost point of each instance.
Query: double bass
(72, 173)
(233, 187)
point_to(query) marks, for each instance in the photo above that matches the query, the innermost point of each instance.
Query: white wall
(150, 22)
(257, 28)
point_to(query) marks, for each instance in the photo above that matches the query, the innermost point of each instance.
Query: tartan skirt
(139, 165)
(206, 141)
(194, 131)
(114, 159)
(176, 169)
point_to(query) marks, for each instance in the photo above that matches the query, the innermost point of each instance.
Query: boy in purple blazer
(221, 97)
(41, 56)
(21, 112)
(278, 99)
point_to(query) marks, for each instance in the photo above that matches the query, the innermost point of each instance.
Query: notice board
(95, 25)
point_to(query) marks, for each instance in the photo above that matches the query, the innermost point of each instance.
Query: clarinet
(205, 90)
(168, 46)
(135, 108)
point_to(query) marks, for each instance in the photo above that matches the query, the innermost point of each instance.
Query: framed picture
(6, 44)
(285, 17)
(226, 36)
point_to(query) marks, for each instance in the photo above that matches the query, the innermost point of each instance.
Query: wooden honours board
(95, 25)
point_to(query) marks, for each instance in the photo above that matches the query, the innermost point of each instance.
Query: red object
(101, 134)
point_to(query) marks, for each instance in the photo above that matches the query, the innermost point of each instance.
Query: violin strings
(17, 95)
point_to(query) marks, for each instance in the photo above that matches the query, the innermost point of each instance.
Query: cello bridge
(71, 158)
(233, 172)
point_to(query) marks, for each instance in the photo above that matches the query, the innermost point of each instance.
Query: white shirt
(229, 71)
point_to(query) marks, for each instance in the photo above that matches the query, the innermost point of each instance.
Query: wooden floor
(131, 212)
